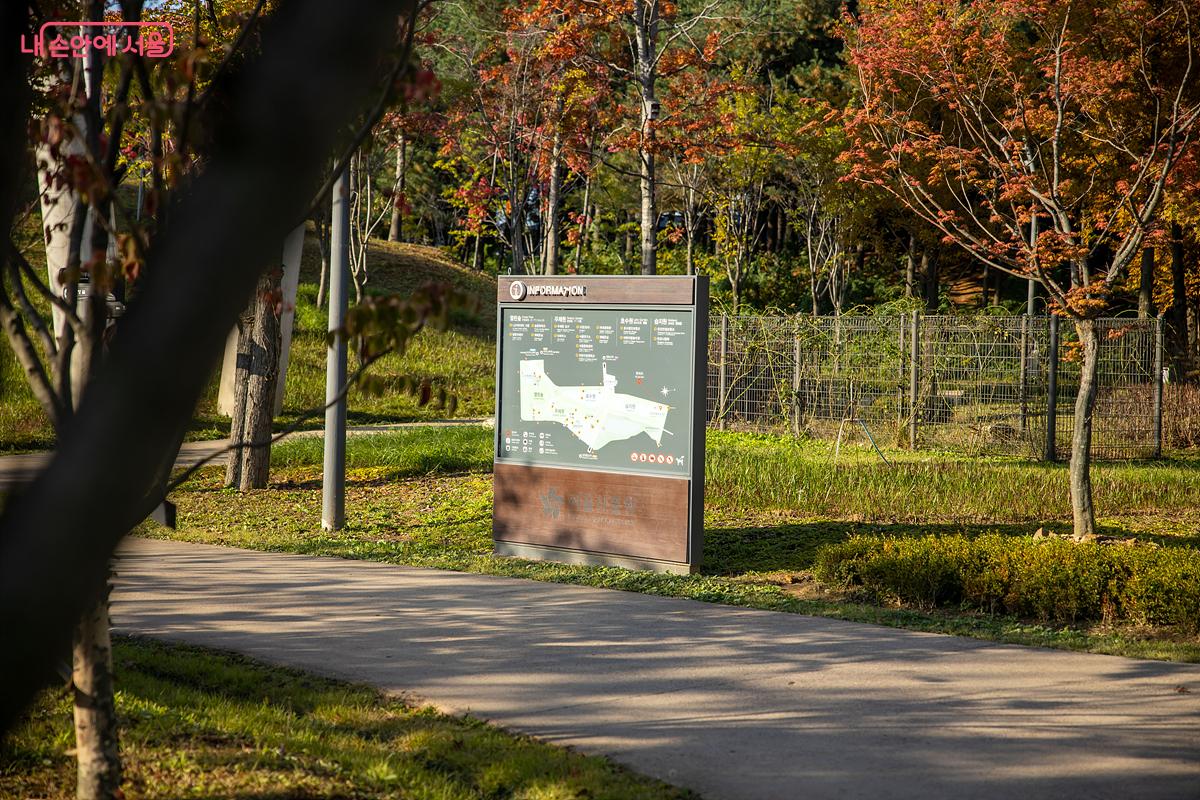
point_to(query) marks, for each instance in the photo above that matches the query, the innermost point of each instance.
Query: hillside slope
(460, 360)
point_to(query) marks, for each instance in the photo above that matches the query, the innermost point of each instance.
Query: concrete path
(733, 703)
(19, 469)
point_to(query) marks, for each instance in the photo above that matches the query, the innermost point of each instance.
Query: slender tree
(985, 117)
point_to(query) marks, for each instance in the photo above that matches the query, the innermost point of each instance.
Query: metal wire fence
(982, 384)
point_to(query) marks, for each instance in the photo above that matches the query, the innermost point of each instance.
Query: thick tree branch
(56, 538)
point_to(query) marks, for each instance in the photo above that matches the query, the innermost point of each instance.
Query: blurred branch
(57, 536)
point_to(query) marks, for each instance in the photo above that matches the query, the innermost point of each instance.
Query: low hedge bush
(1050, 579)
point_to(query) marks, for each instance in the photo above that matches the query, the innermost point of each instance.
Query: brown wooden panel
(642, 516)
(651, 290)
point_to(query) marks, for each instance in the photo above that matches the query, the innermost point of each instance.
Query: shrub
(1050, 580)
(1165, 589)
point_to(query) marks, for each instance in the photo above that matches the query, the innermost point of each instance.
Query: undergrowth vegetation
(1049, 579)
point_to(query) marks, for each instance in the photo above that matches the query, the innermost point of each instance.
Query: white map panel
(597, 415)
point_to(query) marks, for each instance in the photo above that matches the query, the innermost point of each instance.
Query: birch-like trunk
(553, 196)
(96, 744)
(67, 236)
(584, 221)
(1082, 512)
(649, 216)
(646, 37)
(627, 251)
(396, 229)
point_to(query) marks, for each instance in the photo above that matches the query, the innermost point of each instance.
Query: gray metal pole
(333, 477)
(1158, 386)
(721, 376)
(1031, 293)
(914, 377)
(1052, 394)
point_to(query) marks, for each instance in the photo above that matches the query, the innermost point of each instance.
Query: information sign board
(600, 419)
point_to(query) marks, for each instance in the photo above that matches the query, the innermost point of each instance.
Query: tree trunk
(929, 273)
(1146, 285)
(98, 758)
(910, 266)
(1178, 315)
(552, 203)
(322, 225)
(1194, 333)
(477, 256)
(595, 237)
(260, 391)
(254, 393)
(584, 221)
(396, 230)
(646, 37)
(99, 771)
(628, 252)
(241, 383)
(517, 236)
(1082, 512)
(649, 219)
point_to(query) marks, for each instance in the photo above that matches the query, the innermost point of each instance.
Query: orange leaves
(982, 116)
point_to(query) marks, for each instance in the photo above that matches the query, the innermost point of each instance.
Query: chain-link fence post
(722, 374)
(1158, 386)
(914, 377)
(1023, 391)
(1052, 393)
(902, 329)
(796, 378)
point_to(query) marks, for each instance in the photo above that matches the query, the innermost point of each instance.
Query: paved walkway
(733, 703)
(18, 469)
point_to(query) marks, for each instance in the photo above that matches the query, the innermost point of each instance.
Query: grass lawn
(460, 359)
(423, 497)
(199, 723)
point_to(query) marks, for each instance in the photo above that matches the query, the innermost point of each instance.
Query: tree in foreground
(1040, 136)
(313, 72)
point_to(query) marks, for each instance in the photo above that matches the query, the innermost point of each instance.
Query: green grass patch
(413, 451)
(199, 723)
(415, 498)
(802, 476)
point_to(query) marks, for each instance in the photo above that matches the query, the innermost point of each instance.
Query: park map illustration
(597, 415)
(597, 388)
